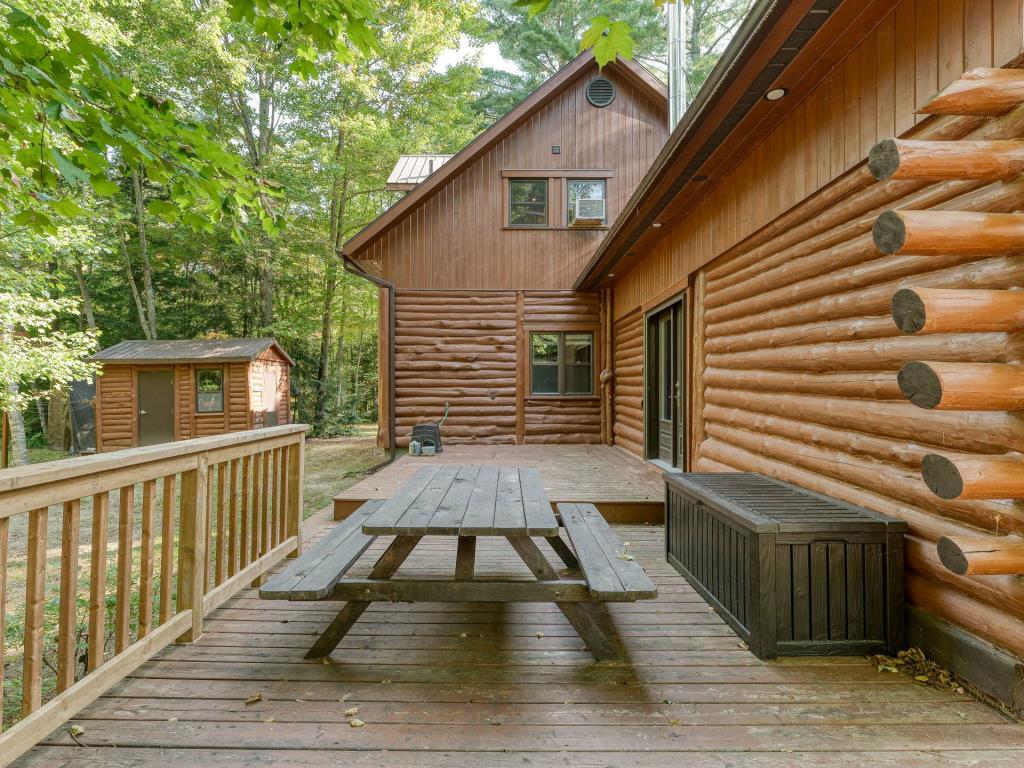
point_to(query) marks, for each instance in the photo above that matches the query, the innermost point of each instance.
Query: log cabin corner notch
(151, 392)
(482, 253)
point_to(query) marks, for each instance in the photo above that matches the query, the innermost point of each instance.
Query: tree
(539, 44)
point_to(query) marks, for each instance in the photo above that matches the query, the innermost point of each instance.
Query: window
(210, 390)
(561, 363)
(528, 202)
(587, 189)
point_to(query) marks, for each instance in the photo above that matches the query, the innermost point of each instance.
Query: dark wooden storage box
(793, 572)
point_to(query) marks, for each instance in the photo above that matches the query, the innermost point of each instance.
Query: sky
(489, 55)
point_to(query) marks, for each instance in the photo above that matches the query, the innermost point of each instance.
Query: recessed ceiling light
(656, 224)
(611, 274)
(776, 93)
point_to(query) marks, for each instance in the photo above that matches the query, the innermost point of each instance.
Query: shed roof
(410, 170)
(189, 351)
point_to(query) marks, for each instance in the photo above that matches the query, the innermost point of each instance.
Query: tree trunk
(19, 446)
(41, 412)
(266, 287)
(83, 290)
(339, 352)
(147, 271)
(57, 432)
(135, 288)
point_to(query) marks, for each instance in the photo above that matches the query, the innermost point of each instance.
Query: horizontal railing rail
(196, 521)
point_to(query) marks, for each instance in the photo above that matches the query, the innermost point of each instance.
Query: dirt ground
(334, 464)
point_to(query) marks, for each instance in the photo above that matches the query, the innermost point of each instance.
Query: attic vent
(600, 92)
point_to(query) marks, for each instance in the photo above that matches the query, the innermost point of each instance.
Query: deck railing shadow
(212, 515)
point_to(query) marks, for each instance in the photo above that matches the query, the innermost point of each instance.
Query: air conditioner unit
(590, 210)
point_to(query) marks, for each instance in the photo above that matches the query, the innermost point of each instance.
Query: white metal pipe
(676, 61)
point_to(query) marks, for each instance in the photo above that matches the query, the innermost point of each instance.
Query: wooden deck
(623, 487)
(508, 685)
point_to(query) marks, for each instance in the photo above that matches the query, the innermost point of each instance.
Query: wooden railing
(212, 515)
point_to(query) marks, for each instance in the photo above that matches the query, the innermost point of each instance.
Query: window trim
(562, 332)
(511, 203)
(221, 371)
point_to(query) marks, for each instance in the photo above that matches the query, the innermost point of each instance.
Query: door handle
(142, 412)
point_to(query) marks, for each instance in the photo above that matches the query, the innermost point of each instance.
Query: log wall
(628, 425)
(115, 393)
(800, 357)
(470, 349)
(874, 93)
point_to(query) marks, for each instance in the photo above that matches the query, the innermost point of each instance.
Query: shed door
(270, 396)
(156, 407)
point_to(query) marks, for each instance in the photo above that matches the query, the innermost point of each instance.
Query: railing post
(296, 469)
(192, 546)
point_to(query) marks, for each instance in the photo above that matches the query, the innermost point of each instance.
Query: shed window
(561, 363)
(210, 390)
(592, 209)
(528, 202)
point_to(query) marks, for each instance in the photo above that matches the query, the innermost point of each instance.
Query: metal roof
(410, 170)
(189, 351)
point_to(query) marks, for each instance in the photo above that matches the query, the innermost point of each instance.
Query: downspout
(354, 269)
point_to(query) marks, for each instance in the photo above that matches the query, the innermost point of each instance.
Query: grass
(332, 465)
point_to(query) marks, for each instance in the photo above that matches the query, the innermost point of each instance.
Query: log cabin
(814, 279)
(150, 392)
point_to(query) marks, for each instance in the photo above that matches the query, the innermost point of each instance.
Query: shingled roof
(189, 351)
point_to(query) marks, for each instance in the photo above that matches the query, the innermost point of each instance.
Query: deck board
(623, 487)
(509, 685)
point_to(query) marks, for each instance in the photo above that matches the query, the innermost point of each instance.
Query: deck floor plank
(509, 685)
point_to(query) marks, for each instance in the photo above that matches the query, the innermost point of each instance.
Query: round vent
(600, 92)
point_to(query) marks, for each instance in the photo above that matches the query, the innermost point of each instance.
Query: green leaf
(103, 186)
(165, 209)
(533, 7)
(67, 207)
(71, 172)
(618, 41)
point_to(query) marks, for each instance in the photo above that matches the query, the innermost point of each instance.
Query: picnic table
(469, 501)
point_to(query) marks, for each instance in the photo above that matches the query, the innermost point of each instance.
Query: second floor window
(528, 202)
(586, 202)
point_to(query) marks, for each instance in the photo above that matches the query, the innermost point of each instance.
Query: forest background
(102, 241)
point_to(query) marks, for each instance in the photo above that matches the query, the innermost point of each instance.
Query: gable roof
(512, 119)
(790, 44)
(189, 351)
(410, 170)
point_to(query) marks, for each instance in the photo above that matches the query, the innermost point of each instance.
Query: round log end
(920, 384)
(884, 159)
(941, 476)
(889, 232)
(908, 310)
(952, 556)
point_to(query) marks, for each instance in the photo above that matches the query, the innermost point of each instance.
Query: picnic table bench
(468, 501)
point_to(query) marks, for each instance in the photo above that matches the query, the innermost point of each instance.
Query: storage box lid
(767, 504)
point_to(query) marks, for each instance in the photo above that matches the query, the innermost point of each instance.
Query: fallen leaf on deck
(172, 719)
(743, 645)
(254, 697)
(675, 721)
(540, 634)
(75, 731)
(325, 661)
(463, 635)
(351, 711)
(386, 681)
(355, 722)
(269, 720)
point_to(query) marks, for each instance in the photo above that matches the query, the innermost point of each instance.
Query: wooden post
(35, 602)
(146, 559)
(98, 581)
(66, 640)
(982, 556)
(123, 599)
(942, 160)
(980, 91)
(296, 472)
(963, 386)
(4, 549)
(950, 310)
(167, 548)
(974, 477)
(192, 546)
(935, 233)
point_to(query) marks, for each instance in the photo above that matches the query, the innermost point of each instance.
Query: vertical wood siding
(456, 240)
(920, 47)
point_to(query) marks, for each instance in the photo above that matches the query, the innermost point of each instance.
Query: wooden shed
(158, 391)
